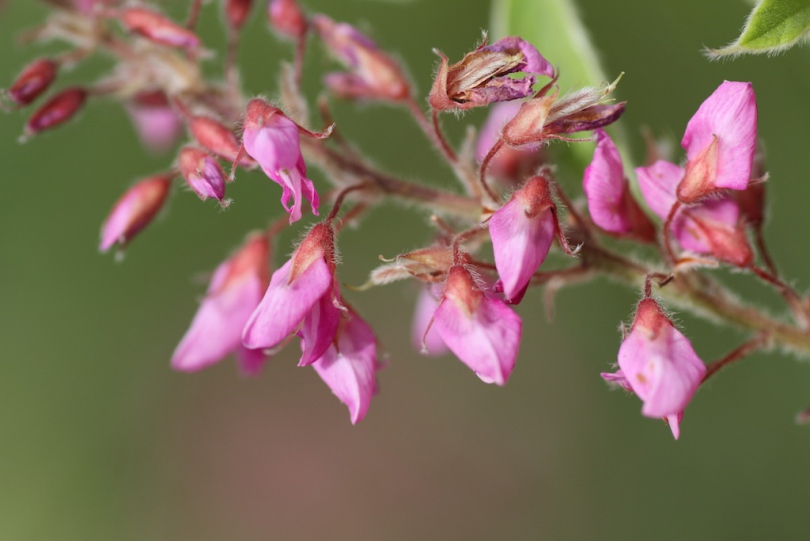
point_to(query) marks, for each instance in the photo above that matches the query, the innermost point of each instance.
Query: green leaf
(773, 26)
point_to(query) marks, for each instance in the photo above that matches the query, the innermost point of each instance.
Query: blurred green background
(101, 440)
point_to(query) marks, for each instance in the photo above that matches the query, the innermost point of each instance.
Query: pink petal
(157, 127)
(490, 132)
(674, 422)
(520, 243)
(285, 305)
(533, 61)
(319, 328)
(250, 360)
(730, 114)
(350, 372)
(695, 226)
(426, 306)
(606, 187)
(658, 183)
(617, 378)
(486, 340)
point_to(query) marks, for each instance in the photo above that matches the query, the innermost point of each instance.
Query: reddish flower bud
(57, 110)
(35, 79)
(217, 139)
(203, 174)
(237, 11)
(134, 211)
(286, 18)
(482, 76)
(374, 74)
(157, 28)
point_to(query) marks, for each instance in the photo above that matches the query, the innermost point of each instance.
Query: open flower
(216, 330)
(484, 333)
(203, 174)
(272, 139)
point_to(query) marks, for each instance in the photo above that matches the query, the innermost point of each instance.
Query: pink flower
(522, 232)
(203, 174)
(713, 227)
(272, 139)
(301, 297)
(217, 139)
(430, 343)
(610, 201)
(659, 362)
(134, 211)
(286, 17)
(349, 366)
(618, 379)
(373, 75)
(156, 123)
(484, 333)
(157, 28)
(720, 141)
(216, 330)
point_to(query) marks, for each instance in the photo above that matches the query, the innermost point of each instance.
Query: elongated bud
(237, 12)
(286, 18)
(57, 110)
(134, 211)
(216, 138)
(35, 79)
(157, 28)
(203, 173)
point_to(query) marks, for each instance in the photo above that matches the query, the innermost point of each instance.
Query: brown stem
(194, 14)
(482, 171)
(759, 239)
(298, 63)
(792, 298)
(341, 196)
(741, 352)
(667, 235)
(232, 70)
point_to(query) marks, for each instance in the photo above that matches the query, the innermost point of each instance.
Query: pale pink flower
(610, 201)
(484, 333)
(659, 362)
(203, 174)
(618, 378)
(234, 292)
(720, 141)
(426, 304)
(522, 232)
(134, 211)
(714, 227)
(349, 366)
(300, 298)
(273, 140)
(156, 123)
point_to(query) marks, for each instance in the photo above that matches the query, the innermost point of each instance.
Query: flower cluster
(699, 212)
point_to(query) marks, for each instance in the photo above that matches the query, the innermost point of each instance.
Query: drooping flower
(233, 294)
(272, 139)
(484, 333)
(134, 211)
(720, 141)
(34, 79)
(522, 232)
(610, 201)
(618, 379)
(203, 174)
(659, 363)
(156, 123)
(714, 227)
(349, 366)
(301, 297)
(430, 343)
(483, 75)
(373, 74)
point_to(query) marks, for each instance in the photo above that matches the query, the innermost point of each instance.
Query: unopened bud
(237, 11)
(286, 18)
(134, 211)
(57, 110)
(203, 173)
(159, 29)
(216, 138)
(156, 123)
(33, 81)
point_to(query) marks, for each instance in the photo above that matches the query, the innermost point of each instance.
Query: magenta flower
(272, 139)
(349, 366)
(659, 363)
(484, 333)
(156, 123)
(610, 201)
(134, 211)
(618, 379)
(203, 174)
(300, 298)
(216, 330)
(522, 232)
(720, 141)
(714, 227)
(430, 343)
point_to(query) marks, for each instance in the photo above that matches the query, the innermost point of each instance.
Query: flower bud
(217, 139)
(134, 211)
(156, 123)
(286, 18)
(237, 12)
(509, 164)
(203, 174)
(158, 29)
(57, 110)
(35, 79)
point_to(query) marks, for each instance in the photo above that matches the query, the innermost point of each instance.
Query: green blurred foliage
(102, 441)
